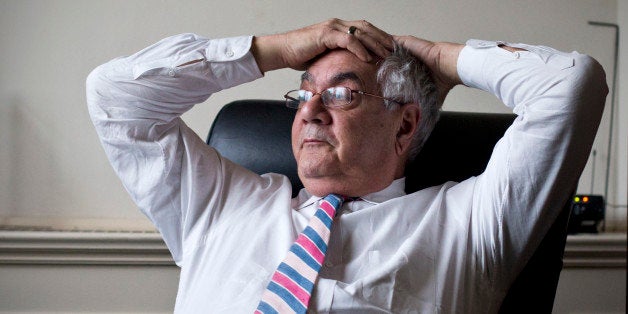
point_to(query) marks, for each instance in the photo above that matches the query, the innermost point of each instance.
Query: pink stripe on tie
(293, 287)
(329, 210)
(311, 248)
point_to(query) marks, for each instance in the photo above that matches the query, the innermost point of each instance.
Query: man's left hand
(295, 48)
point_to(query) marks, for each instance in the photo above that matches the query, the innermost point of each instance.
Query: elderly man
(362, 112)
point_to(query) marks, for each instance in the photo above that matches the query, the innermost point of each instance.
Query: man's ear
(410, 118)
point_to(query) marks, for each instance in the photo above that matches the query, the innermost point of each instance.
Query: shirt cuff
(232, 62)
(482, 64)
(471, 62)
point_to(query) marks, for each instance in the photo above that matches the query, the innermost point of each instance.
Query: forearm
(539, 77)
(559, 98)
(267, 52)
(135, 103)
(165, 79)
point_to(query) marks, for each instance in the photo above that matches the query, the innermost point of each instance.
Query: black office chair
(256, 135)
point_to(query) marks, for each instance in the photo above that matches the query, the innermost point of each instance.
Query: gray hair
(406, 79)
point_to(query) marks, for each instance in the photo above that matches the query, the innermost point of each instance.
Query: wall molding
(148, 249)
(83, 248)
(605, 250)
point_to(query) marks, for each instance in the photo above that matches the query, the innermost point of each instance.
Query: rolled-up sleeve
(559, 98)
(135, 103)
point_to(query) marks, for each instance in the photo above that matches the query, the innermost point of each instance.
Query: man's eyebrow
(336, 79)
(346, 76)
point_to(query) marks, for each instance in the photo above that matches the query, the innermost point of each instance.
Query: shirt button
(517, 55)
(229, 53)
(171, 73)
(329, 264)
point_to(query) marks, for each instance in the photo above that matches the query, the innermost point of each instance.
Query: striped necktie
(291, 286)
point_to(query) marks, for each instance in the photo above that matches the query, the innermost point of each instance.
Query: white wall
(52, 168)
(620, 177)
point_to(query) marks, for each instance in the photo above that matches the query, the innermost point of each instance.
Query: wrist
(448, 54)
(267, 52)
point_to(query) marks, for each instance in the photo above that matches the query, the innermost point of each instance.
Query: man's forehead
(339, 66)
(334, 78)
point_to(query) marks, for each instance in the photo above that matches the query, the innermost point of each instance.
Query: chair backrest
(256, 135)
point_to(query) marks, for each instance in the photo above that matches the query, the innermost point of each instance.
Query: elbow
(99, 89)
(587, 94)
(103, 84)
(95, 85)
(584, 87)
(590, 80)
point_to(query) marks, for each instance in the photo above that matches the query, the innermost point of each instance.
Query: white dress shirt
(453, 248)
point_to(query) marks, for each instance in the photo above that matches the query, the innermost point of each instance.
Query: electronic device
(587, 213)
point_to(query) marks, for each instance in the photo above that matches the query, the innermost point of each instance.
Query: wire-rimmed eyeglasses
(333, 97)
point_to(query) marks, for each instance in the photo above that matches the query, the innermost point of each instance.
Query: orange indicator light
(585, 199)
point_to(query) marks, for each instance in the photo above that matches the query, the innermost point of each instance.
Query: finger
(357, 48)
(372, 44)
(419, 47)
(401, 40)
(365, 42)
(375, 40)
(336, 35)
(404, 41)
(377, 34)
(339, 39)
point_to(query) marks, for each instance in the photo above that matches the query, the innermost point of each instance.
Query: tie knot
(334, 200)
(337, 200)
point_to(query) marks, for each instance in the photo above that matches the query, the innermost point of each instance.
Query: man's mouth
(312, 141)
(315, 136)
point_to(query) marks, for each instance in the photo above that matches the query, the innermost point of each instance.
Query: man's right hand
(440, 57)
(295, 48)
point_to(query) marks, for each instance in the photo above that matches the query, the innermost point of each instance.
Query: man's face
(345, 151)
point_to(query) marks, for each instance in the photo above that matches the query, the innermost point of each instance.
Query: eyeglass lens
(331, 97)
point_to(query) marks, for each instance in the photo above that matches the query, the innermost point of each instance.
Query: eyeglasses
(333, 97)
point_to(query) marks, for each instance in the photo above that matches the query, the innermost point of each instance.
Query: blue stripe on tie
(322, 216)
(266, 308)
(316, 238)
(285, 295)
(305, 257)
(334, 200)
(295, 276)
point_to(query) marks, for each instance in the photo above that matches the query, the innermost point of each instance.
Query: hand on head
(296, 48)
(440, 57)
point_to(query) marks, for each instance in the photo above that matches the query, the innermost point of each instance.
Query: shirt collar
(394, 190)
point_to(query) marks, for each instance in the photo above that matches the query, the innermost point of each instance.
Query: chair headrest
(256, 135)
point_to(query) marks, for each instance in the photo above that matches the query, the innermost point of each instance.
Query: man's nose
(314, 111)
